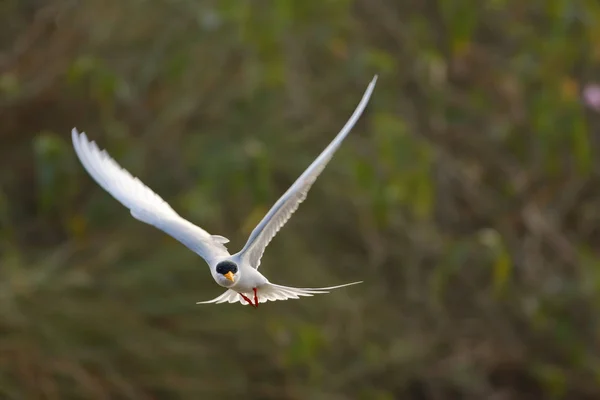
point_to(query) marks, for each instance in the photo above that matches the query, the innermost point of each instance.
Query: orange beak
(229, 276)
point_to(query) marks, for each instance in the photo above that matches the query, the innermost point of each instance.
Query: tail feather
(230, 296)
(272, 292)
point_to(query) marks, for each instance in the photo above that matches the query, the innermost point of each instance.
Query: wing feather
(143, 203)
(287, 204)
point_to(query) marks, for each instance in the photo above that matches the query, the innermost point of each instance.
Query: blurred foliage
(467, 198)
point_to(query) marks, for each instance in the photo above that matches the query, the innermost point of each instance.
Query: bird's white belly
(250, 279)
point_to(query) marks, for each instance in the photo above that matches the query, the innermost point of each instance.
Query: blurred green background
(467, 198)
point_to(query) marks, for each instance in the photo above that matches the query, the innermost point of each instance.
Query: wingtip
(75, 134)
(353, 283)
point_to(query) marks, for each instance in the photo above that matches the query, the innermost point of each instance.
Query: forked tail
(272, 292)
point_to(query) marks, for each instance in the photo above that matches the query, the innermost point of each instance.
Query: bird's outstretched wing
(143, 203)
(272, 292)
(287, 204)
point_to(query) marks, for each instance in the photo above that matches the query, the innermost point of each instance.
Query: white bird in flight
(238, 272)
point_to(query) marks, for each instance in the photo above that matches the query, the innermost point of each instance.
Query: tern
(238, 273)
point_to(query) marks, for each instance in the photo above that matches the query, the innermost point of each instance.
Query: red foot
(247, 299)
(255, 304)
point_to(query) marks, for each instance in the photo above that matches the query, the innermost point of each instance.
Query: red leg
(255, 298)
(247, 299)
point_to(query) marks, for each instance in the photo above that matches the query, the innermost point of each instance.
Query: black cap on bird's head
(228, 269)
